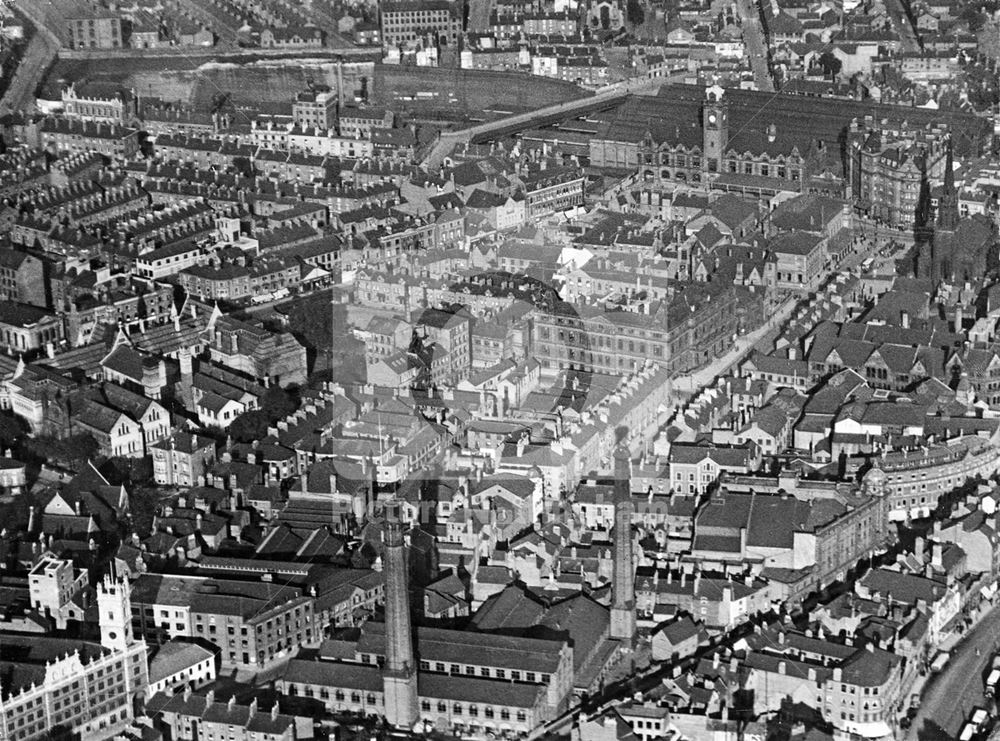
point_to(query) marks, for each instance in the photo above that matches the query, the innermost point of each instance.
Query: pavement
(705, 376)
(38, 57)
(949, 697)
(901, 24)
(756, 44)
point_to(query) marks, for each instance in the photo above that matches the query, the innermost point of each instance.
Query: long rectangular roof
(368, 678)
(458, 646)
(674, 116)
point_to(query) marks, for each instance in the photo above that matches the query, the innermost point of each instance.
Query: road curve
(38, 57)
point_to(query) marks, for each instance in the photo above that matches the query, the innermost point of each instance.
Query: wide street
(741, 347)
(753, 37)
(951, 695)
(901, 24)
(39, 55)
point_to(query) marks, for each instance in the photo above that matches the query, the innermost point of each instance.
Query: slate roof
(457, 646)
(175, 656)
(674, 116)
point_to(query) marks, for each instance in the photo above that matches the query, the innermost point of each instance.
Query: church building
(954, 249)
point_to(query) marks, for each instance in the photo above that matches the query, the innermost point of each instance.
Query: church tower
(947, 213)
(399, 675)
(623, 577)
(114, 604)
(715, 131)
(936, 260)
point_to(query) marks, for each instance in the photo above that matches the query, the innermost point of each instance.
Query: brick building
(406, 21)
(96, 30)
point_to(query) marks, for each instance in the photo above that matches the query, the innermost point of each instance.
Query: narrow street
(951, 695)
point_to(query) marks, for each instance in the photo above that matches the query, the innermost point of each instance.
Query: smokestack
(623, 623)
(340, 85)
(399, 675)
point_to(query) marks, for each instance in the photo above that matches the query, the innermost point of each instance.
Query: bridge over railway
(602, 101)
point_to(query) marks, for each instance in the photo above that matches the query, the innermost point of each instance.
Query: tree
(314, 320)
(12, 429)
(128, 471)
(830, 64)
(634, 13)
(250, 426)
(278, 403)
(972, 15)
(72, 452)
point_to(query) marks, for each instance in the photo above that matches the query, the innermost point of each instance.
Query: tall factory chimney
(623, 580)
(399, 675)
(340, 85)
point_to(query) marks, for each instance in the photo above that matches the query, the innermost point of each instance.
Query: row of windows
(485, 671)
(473, 711)
(415, 16)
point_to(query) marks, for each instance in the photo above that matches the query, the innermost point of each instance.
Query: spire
(947, 217)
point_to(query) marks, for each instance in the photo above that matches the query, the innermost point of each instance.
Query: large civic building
(750, 141)
(87, 688)
(408, 21)
(887, 168)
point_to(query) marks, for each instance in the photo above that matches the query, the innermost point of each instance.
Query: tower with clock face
(715, 130)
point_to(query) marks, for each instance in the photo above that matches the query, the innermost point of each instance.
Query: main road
(951, 695)
(37, 59)
(742, 347)
(755, 44)
(900, 20)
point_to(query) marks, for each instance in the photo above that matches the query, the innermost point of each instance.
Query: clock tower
(715, 131)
